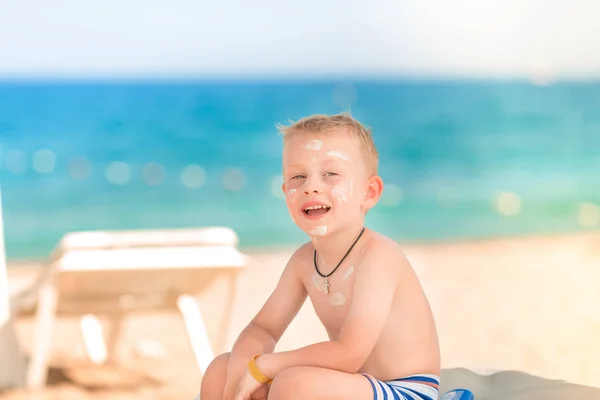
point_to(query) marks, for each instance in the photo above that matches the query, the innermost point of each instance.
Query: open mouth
(316, 210)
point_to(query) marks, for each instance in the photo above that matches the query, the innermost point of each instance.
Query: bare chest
(331, 297)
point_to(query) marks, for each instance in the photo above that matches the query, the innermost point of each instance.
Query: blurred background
(149, 114)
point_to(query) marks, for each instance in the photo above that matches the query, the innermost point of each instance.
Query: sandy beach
(531, 304)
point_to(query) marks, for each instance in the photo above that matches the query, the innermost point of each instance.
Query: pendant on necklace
(326, 286)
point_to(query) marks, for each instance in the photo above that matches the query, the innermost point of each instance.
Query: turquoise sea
(461, 159)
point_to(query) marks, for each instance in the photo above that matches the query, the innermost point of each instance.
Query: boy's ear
(283, 187)
(374, 190)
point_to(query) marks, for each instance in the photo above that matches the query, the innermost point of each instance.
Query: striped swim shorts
(412, 387)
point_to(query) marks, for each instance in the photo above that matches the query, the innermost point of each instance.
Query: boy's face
(326, 182)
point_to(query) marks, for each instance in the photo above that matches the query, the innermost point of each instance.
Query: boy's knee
(290, 383)
(214, 378)
(219, 363)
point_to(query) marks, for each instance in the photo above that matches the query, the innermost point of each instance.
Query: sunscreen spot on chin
(314, 145)
(340, 193)
(318, 230)
(337, 299)
(339, 154)
(349, 272)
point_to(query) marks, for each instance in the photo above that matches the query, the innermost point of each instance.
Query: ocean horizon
(460, 159)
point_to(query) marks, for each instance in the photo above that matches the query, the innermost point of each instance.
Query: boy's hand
(247, 387)
(261, 393)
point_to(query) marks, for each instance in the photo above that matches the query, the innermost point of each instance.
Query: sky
(73, 38)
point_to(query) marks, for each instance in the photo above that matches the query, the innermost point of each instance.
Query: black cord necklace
(340, 263)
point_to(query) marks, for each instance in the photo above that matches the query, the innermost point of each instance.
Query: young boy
(383, 342)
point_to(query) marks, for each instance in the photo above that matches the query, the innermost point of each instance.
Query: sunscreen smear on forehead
(339, 154)
(314, 145)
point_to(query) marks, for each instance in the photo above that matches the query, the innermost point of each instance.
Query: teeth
(318, 207)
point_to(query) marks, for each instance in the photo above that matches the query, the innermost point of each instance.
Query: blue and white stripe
(413, 387)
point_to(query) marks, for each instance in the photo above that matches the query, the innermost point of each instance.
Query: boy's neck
(333, 247)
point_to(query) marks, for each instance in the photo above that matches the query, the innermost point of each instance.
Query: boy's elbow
(352, 364)
(255, 332)
(352, 361)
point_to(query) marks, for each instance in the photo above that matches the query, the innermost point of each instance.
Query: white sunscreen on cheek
(339, 154)
(291, 192)
(314, 145)
(340, 193)
(304, 185)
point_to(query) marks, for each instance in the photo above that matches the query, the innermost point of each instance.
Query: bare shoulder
(304, 250)
(301, 256)
(387, 254)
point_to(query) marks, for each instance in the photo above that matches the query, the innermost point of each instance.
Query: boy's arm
(376, 281)
(254, 339)
(264, 331)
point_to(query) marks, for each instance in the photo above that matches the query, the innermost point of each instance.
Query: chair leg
(93, 339)
(13, 366)
(37, 370)
(116, 323)
(196, 331)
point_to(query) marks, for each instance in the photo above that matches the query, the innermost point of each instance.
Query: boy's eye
(330, 173)
(298, 177)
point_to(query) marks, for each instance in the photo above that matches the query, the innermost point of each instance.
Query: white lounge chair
(115, 273)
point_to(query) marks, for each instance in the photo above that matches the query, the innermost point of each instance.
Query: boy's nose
(313, 186)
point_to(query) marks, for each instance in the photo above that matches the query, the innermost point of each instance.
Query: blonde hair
(327, 124)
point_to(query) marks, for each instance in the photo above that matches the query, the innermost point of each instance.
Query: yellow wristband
(257, 373)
